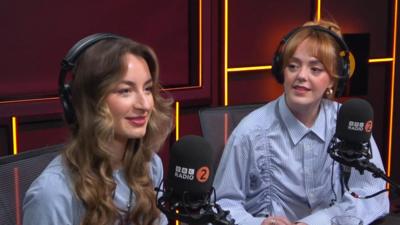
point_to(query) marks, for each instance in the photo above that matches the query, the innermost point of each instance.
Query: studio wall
(211, 53)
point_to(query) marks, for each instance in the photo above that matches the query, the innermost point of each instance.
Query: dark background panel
(5, 140)
(373, 17)
(41, 133)
(378, 96)
(256, 28)
(189, 121)
(253, 87)
(37, 35)
(359, 47)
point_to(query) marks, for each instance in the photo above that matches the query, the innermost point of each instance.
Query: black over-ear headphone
(344, 61)
(68, 63)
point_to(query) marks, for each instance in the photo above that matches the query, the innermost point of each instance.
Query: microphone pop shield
(354, 121)
(191, 169)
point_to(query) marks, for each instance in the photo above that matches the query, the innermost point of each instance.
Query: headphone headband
(344, 61)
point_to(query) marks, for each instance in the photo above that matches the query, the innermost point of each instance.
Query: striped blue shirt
(50, 200)
(274, 165)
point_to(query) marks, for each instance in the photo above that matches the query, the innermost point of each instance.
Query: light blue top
(274, 165)
(51, 200)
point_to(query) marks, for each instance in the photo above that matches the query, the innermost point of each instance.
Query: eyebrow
(312, 62)
(130, 83)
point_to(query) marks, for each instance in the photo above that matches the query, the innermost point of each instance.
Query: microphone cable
(332, 185)
(354, 194)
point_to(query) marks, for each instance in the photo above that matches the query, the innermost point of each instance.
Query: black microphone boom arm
(360, 164)
(364, 164)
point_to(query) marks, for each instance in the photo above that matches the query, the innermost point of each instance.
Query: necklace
(124, 219)
(128, 206)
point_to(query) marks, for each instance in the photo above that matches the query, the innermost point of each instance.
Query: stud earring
(329, 91)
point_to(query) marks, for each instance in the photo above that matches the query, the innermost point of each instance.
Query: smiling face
(305, 79)
(131, 100)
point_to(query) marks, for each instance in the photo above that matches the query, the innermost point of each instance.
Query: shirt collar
(296, 129)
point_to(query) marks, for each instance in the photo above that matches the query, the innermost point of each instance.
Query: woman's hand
(276, 220)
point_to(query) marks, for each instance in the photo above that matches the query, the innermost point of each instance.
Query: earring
(329, 91)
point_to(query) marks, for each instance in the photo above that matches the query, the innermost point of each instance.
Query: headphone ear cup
(343, 68)
(66, 96)
(277, 67)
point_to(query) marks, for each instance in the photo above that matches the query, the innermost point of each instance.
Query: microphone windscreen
(191, 167)
(354, 121)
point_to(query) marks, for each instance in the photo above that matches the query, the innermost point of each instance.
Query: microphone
(353, 129)
(351, 142)
(188, 187)
(351, 146)
(354, 121)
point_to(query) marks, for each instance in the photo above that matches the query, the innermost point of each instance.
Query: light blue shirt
(51, 200)
(274, 165)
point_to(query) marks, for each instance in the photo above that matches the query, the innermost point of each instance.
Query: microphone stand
(352, 158)
(192, 212)
(221, 217)
(364, 164)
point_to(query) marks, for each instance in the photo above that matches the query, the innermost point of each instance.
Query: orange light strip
(380, 60)
(17, 200)
(268, 67)
(14, 134)
(29, 100)
(177, 221)
(181, 88)
(249, 68)
(318, 10)
(393, 76)
(176, 121)
(226, 54)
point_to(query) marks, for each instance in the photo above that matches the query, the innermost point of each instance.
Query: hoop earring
(329, 92)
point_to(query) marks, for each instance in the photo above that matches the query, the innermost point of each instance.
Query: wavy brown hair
(324, 46)
(88, 157)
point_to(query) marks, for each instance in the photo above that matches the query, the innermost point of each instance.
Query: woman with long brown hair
(109, 169)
